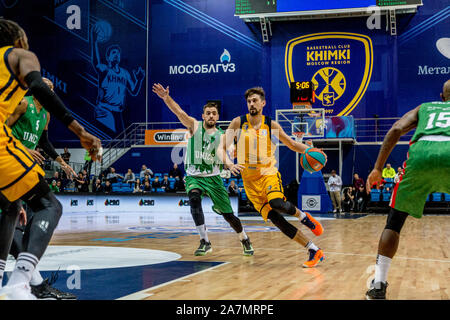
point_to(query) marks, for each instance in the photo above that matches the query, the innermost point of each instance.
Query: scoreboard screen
(244, 7)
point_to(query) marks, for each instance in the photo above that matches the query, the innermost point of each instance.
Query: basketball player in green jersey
(203, 170)
(29, 124)
(427, 170)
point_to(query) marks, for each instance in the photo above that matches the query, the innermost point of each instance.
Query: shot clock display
(302, 91)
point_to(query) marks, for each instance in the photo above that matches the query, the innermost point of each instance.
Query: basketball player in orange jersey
(262, 181)
(21, 176)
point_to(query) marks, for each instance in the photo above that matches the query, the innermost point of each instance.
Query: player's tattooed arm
(226, 149)
(190, 123)
(405, 124)
(18, 112)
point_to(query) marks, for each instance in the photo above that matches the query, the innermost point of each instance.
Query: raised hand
(160, 91)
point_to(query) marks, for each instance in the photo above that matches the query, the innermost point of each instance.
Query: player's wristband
(51, 102)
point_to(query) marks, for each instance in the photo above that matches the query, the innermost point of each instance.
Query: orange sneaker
(314, 258)
(312, 224)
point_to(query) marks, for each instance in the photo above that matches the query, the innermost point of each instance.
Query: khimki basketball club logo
(339, 64)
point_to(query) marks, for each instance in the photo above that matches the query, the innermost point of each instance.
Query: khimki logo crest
(225, 66)
(339, 64)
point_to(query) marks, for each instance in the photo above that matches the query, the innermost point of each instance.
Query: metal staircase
(132, 136)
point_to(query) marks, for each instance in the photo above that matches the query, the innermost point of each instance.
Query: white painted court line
(344, 253)
(142, 294)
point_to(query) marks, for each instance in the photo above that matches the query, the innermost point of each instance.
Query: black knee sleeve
(283, 206)
(8, 221)
(282, 224)
(396, 220)
(234, 222)
(38, 232)
(195, 202)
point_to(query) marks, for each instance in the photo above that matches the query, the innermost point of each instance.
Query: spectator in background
(335, 184)
(146, 178)
(348, 201)
(54, 178)
(60, 186)
(156, 183)
(97, 187)
(144, 171)
(361, 199)
(66, 155)
(129, 177)
(112, 176)
(53, 186)
(165, 184)
(357, 181)
(179, 184)
(87, 163)
(108, 187)
(137, 186)
(175, 172)
(81, 184)
(388, 172)
(147, 187)
(398, 175)
(232, 188)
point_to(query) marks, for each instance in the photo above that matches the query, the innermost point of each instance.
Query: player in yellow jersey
(21, 176)
(262, 181)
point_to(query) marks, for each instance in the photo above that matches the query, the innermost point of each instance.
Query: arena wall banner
(340, 65)
(164, 204)
(166, 137)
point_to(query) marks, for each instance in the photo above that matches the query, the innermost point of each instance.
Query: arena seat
(386, 196)
(158, 175)
(436, 196)
(375, 195)
(446, 197)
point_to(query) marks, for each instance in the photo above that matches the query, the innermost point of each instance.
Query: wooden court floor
(420, 270)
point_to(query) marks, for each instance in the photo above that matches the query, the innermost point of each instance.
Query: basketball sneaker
(203, 249)
(377, 291)
(312, 224)
(45, 291)
(248, 248)
(20, 291)
(314, 258)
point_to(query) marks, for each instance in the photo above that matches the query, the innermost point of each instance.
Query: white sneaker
(21, 291)
(334, 211)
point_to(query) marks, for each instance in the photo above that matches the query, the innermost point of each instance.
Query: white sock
(2, 270)
(312, 246)
(382, 268)
(25, 265)
(242, 235)
(202, 231)
(36, 278)
(302, 215)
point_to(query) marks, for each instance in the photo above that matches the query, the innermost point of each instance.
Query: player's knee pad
(396, 220)
(282, 224)
(283, 206)
(195, 198)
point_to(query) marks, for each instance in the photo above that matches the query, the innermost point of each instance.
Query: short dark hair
(211, 105)
(10, 31)
(111, 48)
(255, 90)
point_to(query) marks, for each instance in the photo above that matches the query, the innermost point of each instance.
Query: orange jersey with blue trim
(11, 90)
(255, 149)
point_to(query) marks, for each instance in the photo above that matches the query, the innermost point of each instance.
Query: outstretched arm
(29, 73)
(227, 144)
(402, 126)
(184, 118)
(284, 138)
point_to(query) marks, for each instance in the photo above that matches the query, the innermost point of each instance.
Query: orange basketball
(313, 160)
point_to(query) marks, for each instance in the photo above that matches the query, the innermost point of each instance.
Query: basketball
(313, 160)
(103, 30)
